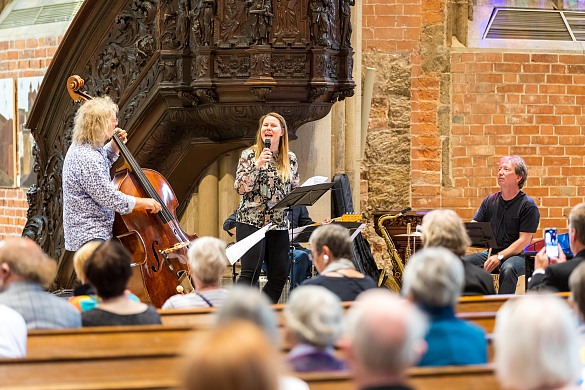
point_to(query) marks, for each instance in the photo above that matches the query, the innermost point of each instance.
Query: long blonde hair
(93, 120)
(283, 162)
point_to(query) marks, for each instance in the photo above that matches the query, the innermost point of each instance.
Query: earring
(326, 259)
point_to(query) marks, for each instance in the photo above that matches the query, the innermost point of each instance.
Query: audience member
(207, 261)
(514, 218)
(433, 279)
(237, 356)
(24, 270)
(314, 321)
(556, 276)
(535, 343)
(444, 228)
(248, 304)
(108, 271)
(84, 297)
(577, 301)
(13, 333)
(331, 247)
(384, 337)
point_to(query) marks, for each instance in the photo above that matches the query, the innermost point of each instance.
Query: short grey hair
(386, 332)
(250, 304)
(577, 221)
(207, 259)
(520, 168)
(434, 277)
(544, 354)
(335, 237)
(314, 315)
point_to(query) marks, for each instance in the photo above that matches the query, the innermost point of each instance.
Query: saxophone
(391, 279)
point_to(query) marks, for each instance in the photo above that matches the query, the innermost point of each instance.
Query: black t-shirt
(508, 218)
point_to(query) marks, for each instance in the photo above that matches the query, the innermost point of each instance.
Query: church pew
(480, 377)
(162, 371)
(490, 303)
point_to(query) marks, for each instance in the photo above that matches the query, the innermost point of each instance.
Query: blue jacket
(452, 341)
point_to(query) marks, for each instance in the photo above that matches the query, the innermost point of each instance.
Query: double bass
(156, 241)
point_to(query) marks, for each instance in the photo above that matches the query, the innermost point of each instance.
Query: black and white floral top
(261, 188)
(90, 199)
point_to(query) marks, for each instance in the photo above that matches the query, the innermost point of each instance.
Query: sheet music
(314, 180)
(296, 231)
(237, 250)
(357, 231)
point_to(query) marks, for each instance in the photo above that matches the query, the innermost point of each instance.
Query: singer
(266, 173)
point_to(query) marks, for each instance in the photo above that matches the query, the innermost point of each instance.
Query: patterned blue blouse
(90, 199)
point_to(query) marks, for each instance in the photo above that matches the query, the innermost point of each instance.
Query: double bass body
(159, 270)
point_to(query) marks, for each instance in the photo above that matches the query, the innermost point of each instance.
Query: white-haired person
(536, 346)
(444, 228)
(433, 280)
(384, 337)
(207, 262)
(90, 199)
(314, 322)
(331, 248)
(577, 300)
(246, 303)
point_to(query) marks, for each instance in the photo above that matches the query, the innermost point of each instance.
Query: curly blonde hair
(93, 120)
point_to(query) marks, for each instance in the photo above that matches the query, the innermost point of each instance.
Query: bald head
(22, 259)
(386, 333)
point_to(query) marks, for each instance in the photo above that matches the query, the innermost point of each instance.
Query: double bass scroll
(156, 241)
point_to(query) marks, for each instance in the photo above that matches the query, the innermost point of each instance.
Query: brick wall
(530, 104)
(21, 58)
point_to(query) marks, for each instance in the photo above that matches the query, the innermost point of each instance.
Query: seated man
(555, 277)
(514, 218)
(24, 269)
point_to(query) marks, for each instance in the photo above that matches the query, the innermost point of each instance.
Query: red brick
(548, 58)
(576, 89)
(516, 57)
(559, 79)
(509, 68)
(547, 119)
(571, 59)
(531, 78)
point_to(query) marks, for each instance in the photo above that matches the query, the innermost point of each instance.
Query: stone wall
(441, 116)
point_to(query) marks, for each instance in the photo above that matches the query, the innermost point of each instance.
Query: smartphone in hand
(551, 242)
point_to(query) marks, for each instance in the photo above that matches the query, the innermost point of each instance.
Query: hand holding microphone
(266, 154)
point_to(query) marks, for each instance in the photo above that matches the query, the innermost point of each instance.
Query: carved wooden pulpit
(191, 78)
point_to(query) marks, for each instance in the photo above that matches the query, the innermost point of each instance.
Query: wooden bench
(489, 303)
(476, 377)
(162, 371)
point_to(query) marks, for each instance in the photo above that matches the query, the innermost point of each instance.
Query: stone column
(209, 201)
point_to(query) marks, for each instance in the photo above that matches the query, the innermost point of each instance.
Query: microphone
(267, 143)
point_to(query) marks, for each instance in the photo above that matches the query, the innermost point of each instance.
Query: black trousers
(273, 250)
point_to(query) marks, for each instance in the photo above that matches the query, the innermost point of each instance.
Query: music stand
(481, 234)
(301, 196)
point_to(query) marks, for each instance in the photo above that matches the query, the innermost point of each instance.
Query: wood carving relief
(188, 75)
